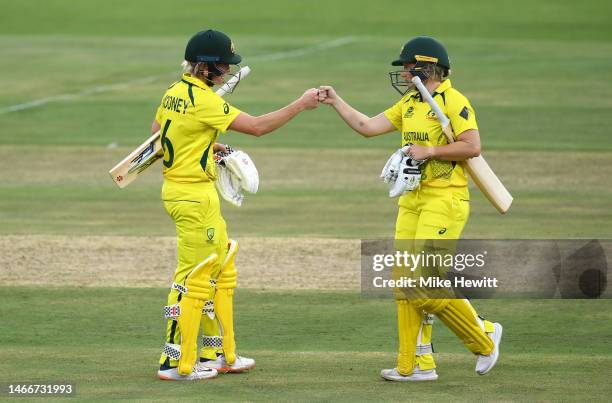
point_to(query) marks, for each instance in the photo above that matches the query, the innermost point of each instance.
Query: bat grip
(227, 87)
(444, 121)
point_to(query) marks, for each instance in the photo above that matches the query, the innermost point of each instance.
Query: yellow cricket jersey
(191, 116)
(418, 123)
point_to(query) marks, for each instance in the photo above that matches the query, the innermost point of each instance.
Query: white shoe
(197, 374)
(417, 375)
(485, 363)
(242, 364)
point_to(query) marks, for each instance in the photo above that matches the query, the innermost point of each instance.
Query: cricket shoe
(485, 363)
(242, 364)
(197, 374)
(416, 375)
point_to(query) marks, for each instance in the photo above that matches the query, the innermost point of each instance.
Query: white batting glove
(408, 178)
(391, 169)
(242, 167)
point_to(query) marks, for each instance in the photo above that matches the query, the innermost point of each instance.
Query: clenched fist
(310, 98)
(327, 95)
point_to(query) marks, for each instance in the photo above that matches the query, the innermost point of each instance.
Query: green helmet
(212, 47)
(423, 49)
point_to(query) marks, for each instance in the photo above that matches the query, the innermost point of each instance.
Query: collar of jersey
(446, 84)
(195, 81)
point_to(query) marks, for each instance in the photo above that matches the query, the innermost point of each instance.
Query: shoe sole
(229, 370)
(166, 378)
(497, 343)
(408, 379)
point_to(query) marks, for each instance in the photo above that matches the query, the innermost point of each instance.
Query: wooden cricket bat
(126, 171)
(481, 173)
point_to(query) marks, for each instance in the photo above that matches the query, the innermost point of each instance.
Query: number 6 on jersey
(126, 171)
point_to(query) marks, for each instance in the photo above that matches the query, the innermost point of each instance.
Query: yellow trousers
(426, 213)
(200, 231)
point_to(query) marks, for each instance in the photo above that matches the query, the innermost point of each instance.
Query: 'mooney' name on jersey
(175, 104)
(192, 117)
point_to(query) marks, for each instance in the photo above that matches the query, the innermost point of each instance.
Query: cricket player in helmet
(191, 117)
(433, 203)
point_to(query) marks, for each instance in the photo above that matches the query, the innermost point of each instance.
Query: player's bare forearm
(466, 146)
(269, 122)
(361, 123)
(264, 124)
(355, 119)
(458, 151)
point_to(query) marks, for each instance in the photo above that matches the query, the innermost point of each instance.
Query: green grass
(330, 194)
(549, 19)
(308, 345)
(537, 73)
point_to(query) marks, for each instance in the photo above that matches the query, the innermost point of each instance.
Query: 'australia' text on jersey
(415, 136)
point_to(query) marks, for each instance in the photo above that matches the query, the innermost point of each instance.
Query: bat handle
(228, 86)
(444, 121)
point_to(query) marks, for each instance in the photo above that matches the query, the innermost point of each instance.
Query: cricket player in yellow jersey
(435, 200)
(191, 117)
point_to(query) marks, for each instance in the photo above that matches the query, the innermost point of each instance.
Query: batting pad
(214, 342)
(224, 302)
(198, 290)
(224, 305)
(460, 318)
(228, 275)
(173, 351)
(211, 339)
(223, 327)
(424, 348)
(409, 320)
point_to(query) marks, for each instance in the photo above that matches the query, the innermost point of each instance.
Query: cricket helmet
(211, 46)
(429, 58)
(423, 49)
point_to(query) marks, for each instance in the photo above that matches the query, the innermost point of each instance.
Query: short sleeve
(394, 114)
(217, 113)
(460, 112)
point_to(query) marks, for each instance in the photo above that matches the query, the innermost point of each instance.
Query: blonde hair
(188, 67)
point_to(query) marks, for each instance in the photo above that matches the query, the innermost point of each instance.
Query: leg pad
(408, 325)
(198, 288)
(459, 317)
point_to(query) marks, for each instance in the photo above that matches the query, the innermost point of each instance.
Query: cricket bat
(481, 173)
(126, 171)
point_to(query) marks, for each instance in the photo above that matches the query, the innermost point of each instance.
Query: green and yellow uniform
(191, 117)
(437, 209)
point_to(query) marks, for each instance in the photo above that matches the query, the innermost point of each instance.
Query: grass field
(315, 346)
(80, 84)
